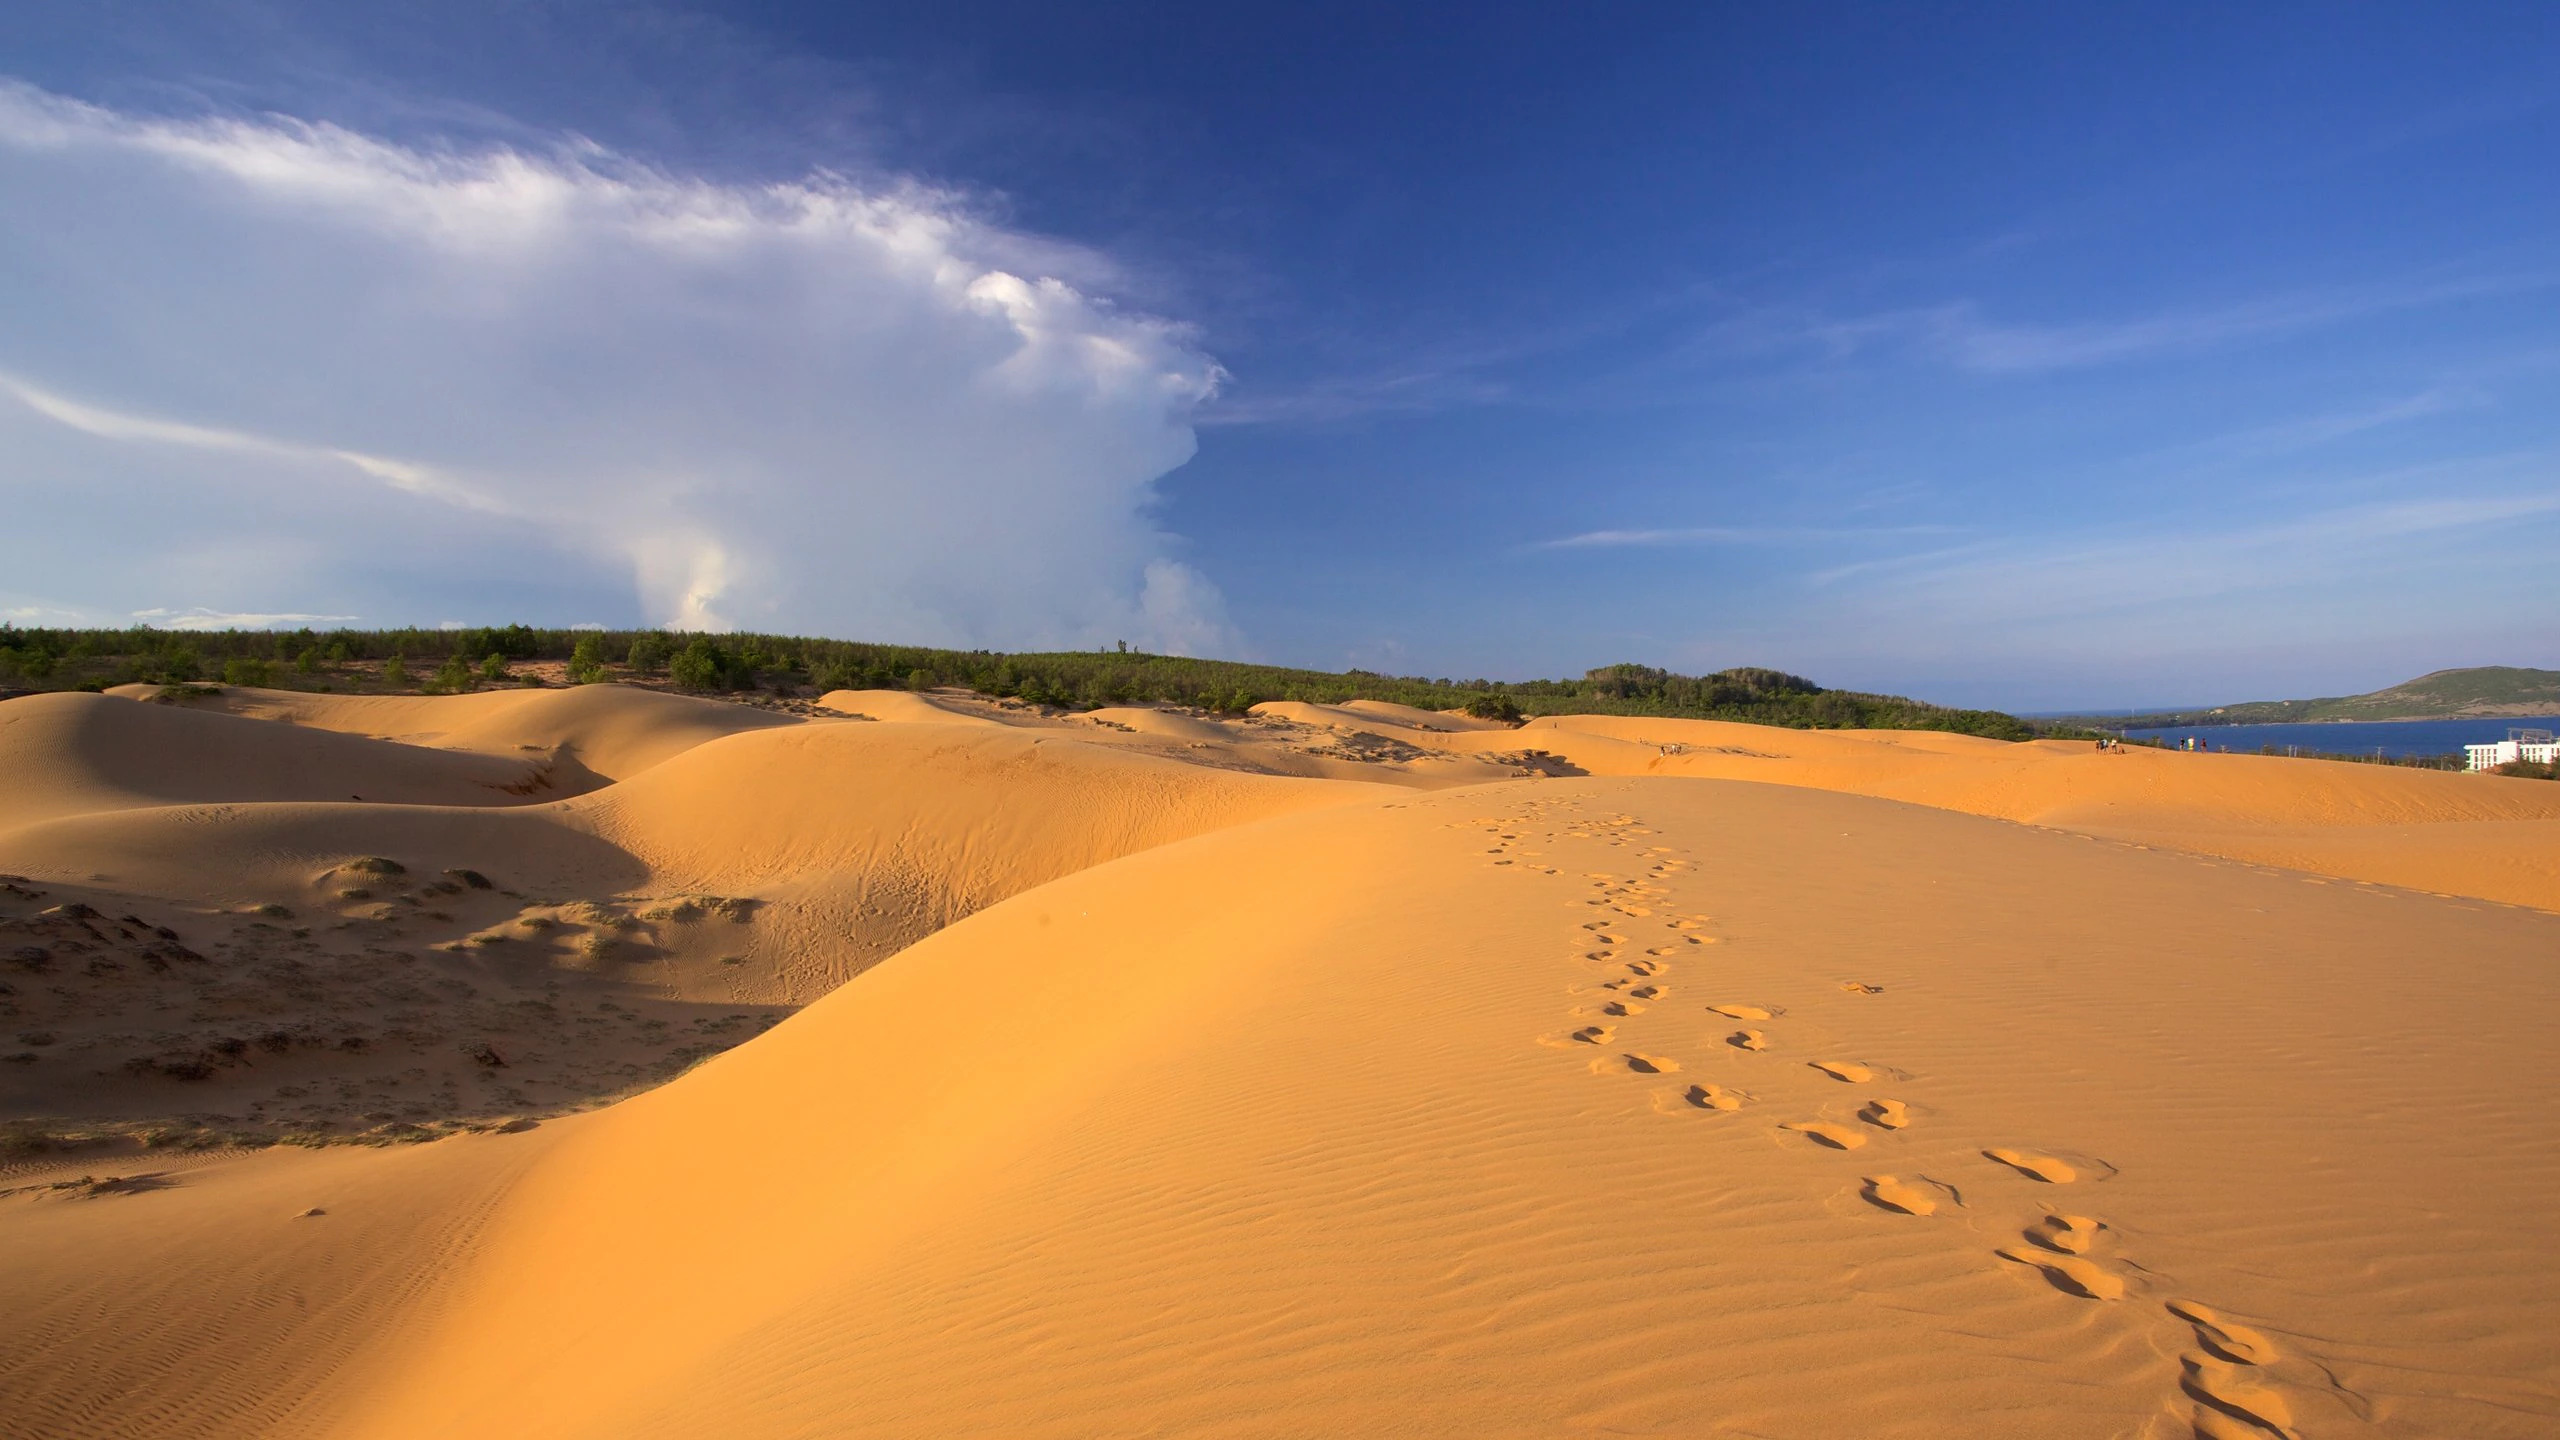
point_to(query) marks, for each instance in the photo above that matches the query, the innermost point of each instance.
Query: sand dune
(1279, 738)
(901, 707)
(611, 731)
(267, 967)
(81, 754)
(1231, 1103)
(1172, 725)
(874, 835)
(2487, 837)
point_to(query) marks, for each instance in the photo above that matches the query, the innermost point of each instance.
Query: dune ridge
(610, 731)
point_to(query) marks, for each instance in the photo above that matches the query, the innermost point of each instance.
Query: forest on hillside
(444, 661)
(2480, 690)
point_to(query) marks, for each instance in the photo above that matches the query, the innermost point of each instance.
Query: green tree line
(378, 661)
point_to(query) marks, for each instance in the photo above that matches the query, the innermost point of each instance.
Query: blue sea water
(2394, 738)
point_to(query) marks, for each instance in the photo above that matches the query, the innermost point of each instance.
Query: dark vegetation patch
(778, 668)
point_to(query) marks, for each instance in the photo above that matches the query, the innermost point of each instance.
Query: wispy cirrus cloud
(109, 424)
(1963, 333)
(1736, 535)
(2081, 574)
(2303, 433)
(201, 618)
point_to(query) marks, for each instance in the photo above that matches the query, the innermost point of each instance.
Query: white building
(2534, 747)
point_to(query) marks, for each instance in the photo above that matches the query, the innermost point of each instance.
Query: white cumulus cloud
(253, 365)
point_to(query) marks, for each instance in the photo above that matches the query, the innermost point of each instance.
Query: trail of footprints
(2224, 1391)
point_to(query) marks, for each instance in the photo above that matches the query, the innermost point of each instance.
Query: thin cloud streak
(109, 424)
(200, 618)
(2093, 577)
(1735, 535)
(1962, 334)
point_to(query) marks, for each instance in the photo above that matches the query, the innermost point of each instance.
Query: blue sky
(2006, 355)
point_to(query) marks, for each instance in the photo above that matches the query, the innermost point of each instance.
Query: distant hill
(2482, 690)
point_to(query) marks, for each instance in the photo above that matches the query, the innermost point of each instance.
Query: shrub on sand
(586, 662)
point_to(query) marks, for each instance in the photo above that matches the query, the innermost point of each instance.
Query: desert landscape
(1009, 721)
(599, 1061)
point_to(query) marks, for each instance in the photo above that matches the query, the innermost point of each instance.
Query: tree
(516, 642)
(454, 676)
(648, 653)
(241, 670)
(699, 667)
(586, 663)
(494, 668)
(395, 671)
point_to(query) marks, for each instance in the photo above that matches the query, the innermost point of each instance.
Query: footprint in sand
(2236, 1343)
(1739, 1012)
(1594, 1034)
(1747, 1040)
(1846, 1071)
(1886, 1114)
(2038, 1167)
(2070, 1273)
(1663, 949)
(1889, 1191)
(1648, 992)
(1860, 987)
(1713, 1097)
(1838, 1137)
(2066, 1234)
(1652, 1064)
(1622, 1007)
(2230, 1391)
(1644, 967)
(1595, 925)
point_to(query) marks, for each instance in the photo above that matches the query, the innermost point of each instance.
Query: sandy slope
(867, 837)
(902, 707)
(2484, 836)
(83, 754)
(1281, 738)
(1324, 1125)
(271, 965)
(220, 1313)
(1647, 1103)
(2478, 835)
(611, 732)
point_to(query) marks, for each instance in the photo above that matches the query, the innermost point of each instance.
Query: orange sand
(1231, 1103)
